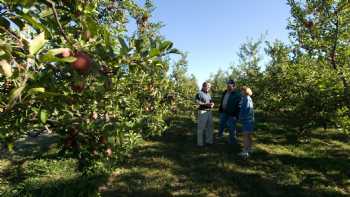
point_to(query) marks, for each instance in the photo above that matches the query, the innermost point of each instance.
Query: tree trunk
(346, 91)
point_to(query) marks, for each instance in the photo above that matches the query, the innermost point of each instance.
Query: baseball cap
(231, 81)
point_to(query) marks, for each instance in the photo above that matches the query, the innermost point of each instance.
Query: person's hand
(211, 105)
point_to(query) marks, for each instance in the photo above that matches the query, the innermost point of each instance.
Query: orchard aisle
(172, 166)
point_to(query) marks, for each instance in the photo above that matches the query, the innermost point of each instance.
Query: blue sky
(212, 31)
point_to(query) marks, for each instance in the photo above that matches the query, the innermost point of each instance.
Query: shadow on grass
(34, 171)
(79, 186)
(172, 165)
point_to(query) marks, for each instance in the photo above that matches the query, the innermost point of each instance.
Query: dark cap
(231, 81)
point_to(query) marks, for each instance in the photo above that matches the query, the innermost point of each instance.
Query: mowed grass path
(171, 165)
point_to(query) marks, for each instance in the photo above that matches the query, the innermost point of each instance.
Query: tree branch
(335, 44)
(53, 7)
(12, 34)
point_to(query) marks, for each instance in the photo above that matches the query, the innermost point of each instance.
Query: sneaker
(244, 154)
(219, 135)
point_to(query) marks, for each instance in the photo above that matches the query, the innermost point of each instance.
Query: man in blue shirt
(229, 110)
(205, 117)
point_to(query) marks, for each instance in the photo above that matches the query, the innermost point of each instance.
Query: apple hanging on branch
(309, 24)
(78, 86)
(109, 152)
(83, 62)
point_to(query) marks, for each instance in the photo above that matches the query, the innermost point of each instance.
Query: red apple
(109, 152)
(71, 101)
(309, 24)
(94, 152)
(78, 86)
(83, 62)
(103, 140)
(93, 116)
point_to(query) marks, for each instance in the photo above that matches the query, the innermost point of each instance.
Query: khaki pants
(205, 127)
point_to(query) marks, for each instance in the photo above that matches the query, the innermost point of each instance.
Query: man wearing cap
(205, 118)
(229, 110)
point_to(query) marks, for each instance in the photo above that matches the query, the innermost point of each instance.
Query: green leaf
(38, 26)
(19, 23)
(46, 13)
(37, 43)
(175, 51)
(4, 22)
(50, 56)
(107, 37)
(91, 25)
(14, 95)
(166, 45)
(125, 48)
(138, 45)
(10, 147)
(36, 90)
(122, 42)
(52, 94)
(44, 116)
(34, 109)
(154, 52)
(68, 59)
(57, 51)
(5, 68)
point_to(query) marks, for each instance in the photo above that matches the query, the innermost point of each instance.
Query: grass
(171, 165)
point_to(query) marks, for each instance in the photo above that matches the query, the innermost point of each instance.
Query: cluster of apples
(82, 64)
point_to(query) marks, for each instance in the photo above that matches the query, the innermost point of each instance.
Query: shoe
(244, 154)
(220, 135)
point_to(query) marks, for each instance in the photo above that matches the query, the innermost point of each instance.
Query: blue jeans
(230, 123)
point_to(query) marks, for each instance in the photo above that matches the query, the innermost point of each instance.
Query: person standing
(229, 111)
(205, 118)
(246, 117)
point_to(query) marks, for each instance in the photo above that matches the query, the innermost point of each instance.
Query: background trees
(304, 84)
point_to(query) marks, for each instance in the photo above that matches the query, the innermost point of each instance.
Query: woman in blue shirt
(246, 116)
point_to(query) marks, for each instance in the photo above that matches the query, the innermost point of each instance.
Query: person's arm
(239, 105)
(250, 108)
(211, 102)
(240, 110)
(221, 100)
(198, 99)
